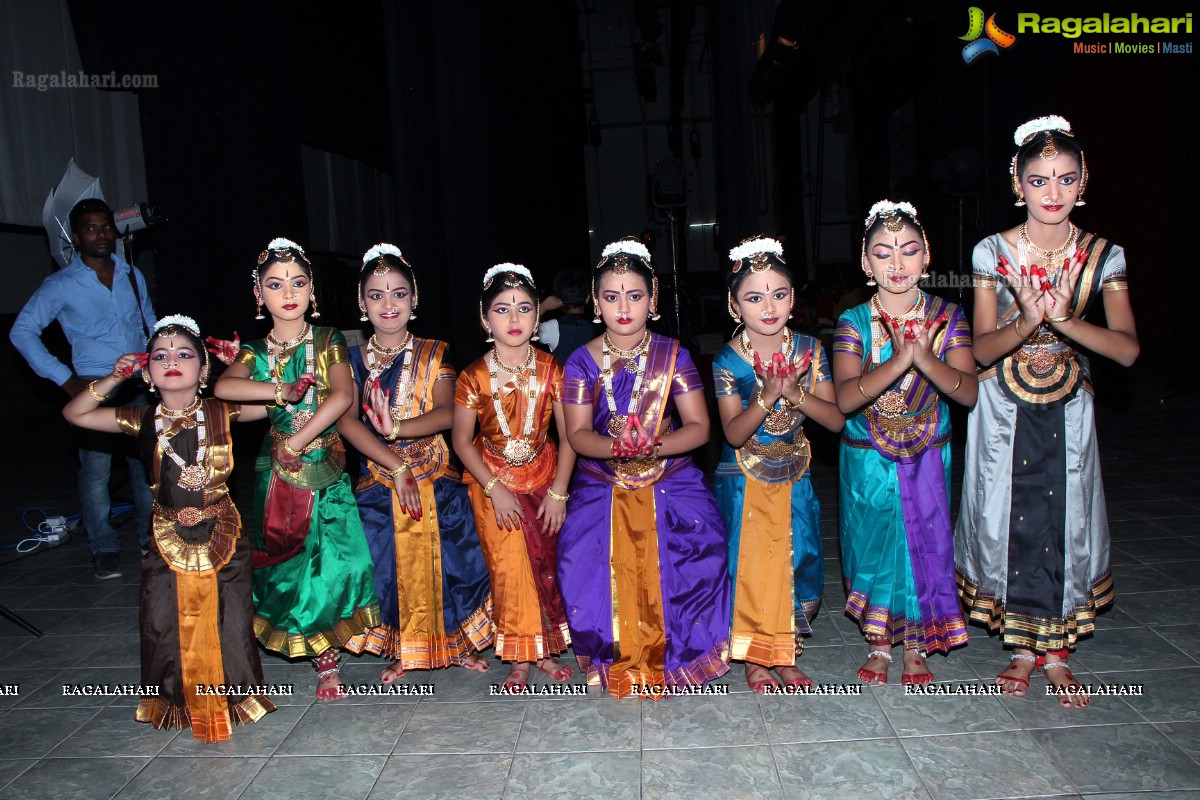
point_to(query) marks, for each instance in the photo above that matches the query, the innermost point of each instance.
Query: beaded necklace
(379, 358)
(191, 476)
(282, 353)
(636, 357)
(404, 382)
(517, 450)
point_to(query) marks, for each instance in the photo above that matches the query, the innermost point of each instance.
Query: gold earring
(871, 280)
(315, 314)
(729, 307)
(596, 311)
(1020, 201)
(258, 310)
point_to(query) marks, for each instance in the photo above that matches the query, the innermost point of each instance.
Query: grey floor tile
(74, 779)
(442, 777)
(116, 651)
(19, 684)
(1133, 578)
(927, 715)
(253, 739)
(832, 663)
(97, 622)
(1156, 608)
(299, 676)
(57, 651)
(718, 772)
(1114, 618)
(970, 766)
(1186, 573)
(10, 769)
(702, 721)
(1120, 758)
(1181, 525)
(1154, 551)
(192, 778)
(821, 718)
(1185, 735)
(577, 775)
(1167, 695)
(463, 728)
(35, 732)
(568, 725)
(838, 770)
(310, 777)
(126, 597)
(329, 729)
(1129, 649)
(1179, 795)
(82, 688)
(110, 733)
(459, 685)
(364, 679)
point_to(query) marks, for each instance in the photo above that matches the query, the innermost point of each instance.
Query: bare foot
(793, 678)
(555, 669)
(916, 671)
(518, 676)
(392, 673)
(878, 661)
(1015, 677)
(330, 687)
(475, 663)
(760, 679)
(1071, 693)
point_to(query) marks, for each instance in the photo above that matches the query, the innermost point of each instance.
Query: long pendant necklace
(779, 419)
(404, 382)
(517, 450)
(637, 357)
(191, 476)
(278, 355)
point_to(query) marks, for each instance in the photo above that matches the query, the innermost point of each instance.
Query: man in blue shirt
(102, 305)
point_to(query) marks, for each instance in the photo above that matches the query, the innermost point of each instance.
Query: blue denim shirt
(101, 325)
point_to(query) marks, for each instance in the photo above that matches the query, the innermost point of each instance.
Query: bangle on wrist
(280, 401)
(1017, 326)
(796, 405)
(861, 390)
(99, 398)
(955, 389)
(398, 471)
(395, 434)
(759, 402)
(287, 448)
(487, 489)
(553, 495)
(1059, 320)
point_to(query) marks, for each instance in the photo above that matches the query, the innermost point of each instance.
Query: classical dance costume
(429, 572)
(642, 554)
(195, 614)
(528, 609)
(312, 570)
(776, 560)
(1032, 544)
(894, 471)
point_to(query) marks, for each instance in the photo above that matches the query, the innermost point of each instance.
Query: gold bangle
(287, 448)
(955, 389)
(280, 400)
(99, 398)
(487, 490)
(861, 390)
(1017, 325)
(398, 471)
(395, 434)
(553, 495)
(1059, 320)
(796, 405)
(759, 402)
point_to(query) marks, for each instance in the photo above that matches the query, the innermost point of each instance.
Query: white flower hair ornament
(380, 250)
(1051, 122)
(886, 208)
(756, 249)
(627, 247)
(505, 269)
(177, 321)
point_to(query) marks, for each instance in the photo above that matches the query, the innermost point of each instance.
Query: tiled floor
(460, 742)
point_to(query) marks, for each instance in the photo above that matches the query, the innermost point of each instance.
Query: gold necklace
(373, 346)
(634, 353)
(290, 343)
(1051, 257)
(526, 363)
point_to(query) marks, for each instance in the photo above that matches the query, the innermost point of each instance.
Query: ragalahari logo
(976, 27)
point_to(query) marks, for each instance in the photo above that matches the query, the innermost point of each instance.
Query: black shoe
(105, 566)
